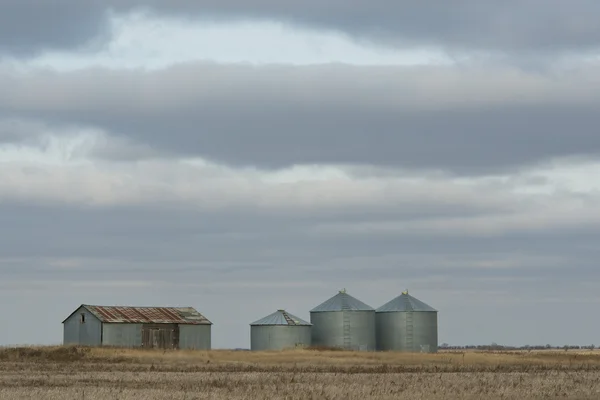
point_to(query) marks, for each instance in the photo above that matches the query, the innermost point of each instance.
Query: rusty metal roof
(147, 315)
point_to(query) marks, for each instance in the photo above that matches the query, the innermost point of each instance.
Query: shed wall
(407, 331)
(122, 335)
(71, 331)
(88, 333)
(352, 330)
(195, 337)
(279, 337)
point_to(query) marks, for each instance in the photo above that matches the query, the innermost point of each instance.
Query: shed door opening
(160, 336)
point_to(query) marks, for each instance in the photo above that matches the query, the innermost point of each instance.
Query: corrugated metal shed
(405, 303)
(281, 317)
(342, 302)
(147, 315)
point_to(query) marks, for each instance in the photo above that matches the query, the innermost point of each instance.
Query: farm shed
(145, 327)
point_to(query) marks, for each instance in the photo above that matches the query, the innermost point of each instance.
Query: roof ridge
(281, 318)
(405, 303)
(121, 306)
(342, 301)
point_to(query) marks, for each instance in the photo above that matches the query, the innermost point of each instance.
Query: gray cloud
(28, 26)
(530, 26)
(16, 131)
(466, 120)
(71, 141)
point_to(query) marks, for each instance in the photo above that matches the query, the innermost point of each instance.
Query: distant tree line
(495, 346)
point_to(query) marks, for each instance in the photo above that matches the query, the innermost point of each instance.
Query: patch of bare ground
(104, 373)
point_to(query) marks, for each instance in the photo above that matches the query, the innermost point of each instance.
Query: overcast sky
(244, 156)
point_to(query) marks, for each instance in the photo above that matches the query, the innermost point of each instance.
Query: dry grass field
(104, 373)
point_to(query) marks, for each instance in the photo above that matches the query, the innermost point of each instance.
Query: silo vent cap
(343, 291)
(405, 292)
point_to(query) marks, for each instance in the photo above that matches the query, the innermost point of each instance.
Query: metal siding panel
(394, 331)
(425, 332)
(326, 329)
(71, 330)
(352, 330)
(362, 330)
(390, 331)
(279, 337)
(122, 335)
(195, 337)
(88, 333)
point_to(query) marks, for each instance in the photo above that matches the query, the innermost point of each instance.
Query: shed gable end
(77, 314)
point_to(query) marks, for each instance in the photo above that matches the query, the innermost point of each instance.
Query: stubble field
(104, 373)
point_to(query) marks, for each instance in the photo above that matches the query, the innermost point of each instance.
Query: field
(104, 373)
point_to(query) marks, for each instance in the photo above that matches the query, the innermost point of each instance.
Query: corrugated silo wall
(394, 331)
(197, 337)
(279, 337)
(352, 330)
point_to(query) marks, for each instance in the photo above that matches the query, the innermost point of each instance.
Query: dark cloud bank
(469, 121)
(483, 25)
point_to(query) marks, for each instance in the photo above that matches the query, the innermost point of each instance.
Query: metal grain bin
(343, 322)
(407, 324)
(278, 331)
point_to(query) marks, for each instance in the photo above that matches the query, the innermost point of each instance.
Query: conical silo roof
(405, 303)
(281, 317)
(342, 302)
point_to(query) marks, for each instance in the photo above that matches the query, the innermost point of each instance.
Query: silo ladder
(409, 331)
(347, 331)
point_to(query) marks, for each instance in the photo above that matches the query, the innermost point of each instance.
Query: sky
(245, 156)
